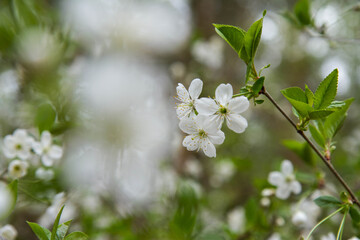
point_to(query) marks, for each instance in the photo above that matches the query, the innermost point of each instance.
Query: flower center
(17, 168)
(289, 178)
(202, 133)
(18, 147)
(223, 110)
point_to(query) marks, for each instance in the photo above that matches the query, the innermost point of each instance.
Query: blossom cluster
(21, 148)
(202, 118)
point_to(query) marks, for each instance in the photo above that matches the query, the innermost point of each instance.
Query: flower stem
(326, 218)
(317, 151)
(341, 228)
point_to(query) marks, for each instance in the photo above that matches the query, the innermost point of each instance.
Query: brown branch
(317, 151)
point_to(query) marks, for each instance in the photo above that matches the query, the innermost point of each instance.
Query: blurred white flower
(275, 236)
(193, 167)
(8, 84)
(203, 134)
(265, 201)
(18, 145)
(236, 220)
(280, 221)
(305, 214)
(299, 218)
(225, 107)
(8, 232)
(177, 70)
(285, 181)
(329, 236)
(223, 171)
(267, 192)
(49, 153)
(44, 174)
(354, 238)
(188, 98)
(18, 168)
(209, 53)
(5, 199)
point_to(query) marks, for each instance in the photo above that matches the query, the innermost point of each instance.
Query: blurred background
(100, 76)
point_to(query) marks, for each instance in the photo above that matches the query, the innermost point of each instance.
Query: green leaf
(258, 85)
(302, 149)
(317, 114)
(62, 229)
(334, 122)
(309, 95)
(295, 93)
(302, 108)
(76, 236)
(41, 232)
(45, 117)
(302, 12)
(259, 101)
(56, 224)
(244, 56)
(355, 214)
(317, 136)
(13, 187)
(327, 201)
(326, 91)
(234, 36)
(336, 105)
(252, 38)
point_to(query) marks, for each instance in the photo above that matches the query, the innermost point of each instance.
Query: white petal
(191, 142)
(236, 122)
(182, 93)
(206, 106)
(195, 88)
(55, 152)
(208, 148)
(276, 178)
(283, 192)
(188, 125)
(287, 168)
(46, 139)
(47, 161)
(295, 187)
(9, 152)
(9, 141)
(238, 104)
(24, 153)
(37, 147)
(210, 124)
(217, 138)
(224, 93)
(183, 110)
(20, 134)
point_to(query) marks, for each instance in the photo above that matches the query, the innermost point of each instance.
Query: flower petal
(195, 88)
(9, 141)
(47, 160)
(236, 122)
(9, 152)
(238, 104)
(38, 148)
(55, 152)
(217, 138)
(224, 93)
(283, 192)
(46, 139)
(183, 110)
(208, 148)
(206, 106)
(295, 187)
(20, 134)
(287, 168)
(188, 125)
(191, 142)
(24, 154)
(182, 93)
(276, 178)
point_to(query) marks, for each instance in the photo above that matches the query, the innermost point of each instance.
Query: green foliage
(76, 236)
(302, 149)
(56, 224)
(45, 117)
(234, 36)
(252, 38)
(41, 232)
(326, 91)
(327, 201)
(317, 136)
(302, 12)
(354, 214)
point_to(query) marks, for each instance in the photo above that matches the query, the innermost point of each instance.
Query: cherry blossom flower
(18, 168)
(44, 174)
(284, 181)
(203, 134)
(224, 106)
(18, 145)
(5, 199)
(8, 232)
(188, 98)
(236, 220)
(48, 152)
(330, 236)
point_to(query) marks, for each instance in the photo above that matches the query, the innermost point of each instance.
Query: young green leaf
(317, 114)
(45, 117)
(309, 95)
(258, 85)
(302, 108)
(234, 36)
(252, 38)
(41, 232)
(295, 93)
(62, 229)
(336, 105)
(326, 91)
(317, 136)
(327, 201)
(56, 224)
(76, 236)
(302, 12)
(244, 56)
(355, 214)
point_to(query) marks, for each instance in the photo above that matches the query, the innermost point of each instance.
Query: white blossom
(275, 236)
(203, 134)
(18, 145)
(5, 199)
(8, 232)
(44, 174)
(354, 238)
(267, 192)
(18, 168)
(285, 181)
(236, 220)
(265, 202)
(305, 214)
(224, 106)
(188, 98)
(209, 53)
(330, 236)
(45, 148)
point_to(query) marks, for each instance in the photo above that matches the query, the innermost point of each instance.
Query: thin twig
(317, 151)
